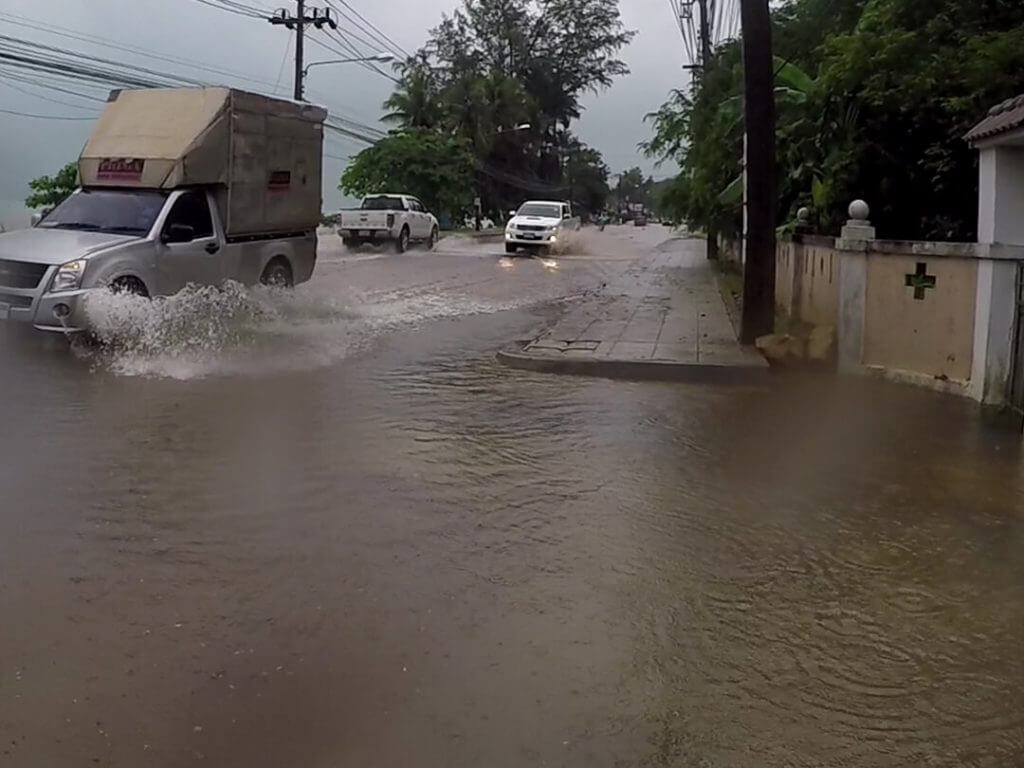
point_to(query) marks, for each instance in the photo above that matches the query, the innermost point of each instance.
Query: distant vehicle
(640, 220)
(389, 218)
(167, 200)
(538, 224)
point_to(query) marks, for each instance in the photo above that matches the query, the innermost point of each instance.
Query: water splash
(233, 330)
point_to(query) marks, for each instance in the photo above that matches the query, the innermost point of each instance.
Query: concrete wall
(932, 335)
(807, 279)
(952, 335)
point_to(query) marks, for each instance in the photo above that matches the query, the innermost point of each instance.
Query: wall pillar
(1000, 220)
(852, 246)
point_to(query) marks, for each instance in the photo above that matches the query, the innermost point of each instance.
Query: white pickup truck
(395, 218)
(538, 224)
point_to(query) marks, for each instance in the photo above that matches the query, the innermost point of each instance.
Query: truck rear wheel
(433, 239)
(402, 241)
(278, 274)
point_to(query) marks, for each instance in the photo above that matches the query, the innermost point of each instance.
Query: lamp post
(478, 203)
(383, 58)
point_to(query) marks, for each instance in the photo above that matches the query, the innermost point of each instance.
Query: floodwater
(327, 529)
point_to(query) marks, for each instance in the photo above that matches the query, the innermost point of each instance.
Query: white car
(538, 224)
(399, 219)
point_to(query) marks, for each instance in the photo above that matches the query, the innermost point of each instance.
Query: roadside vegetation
(873, 98)
(486, 108)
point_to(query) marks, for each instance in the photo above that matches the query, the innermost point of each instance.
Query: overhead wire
(378, 38)
(75, 65)
(236, 8)
(44, 117)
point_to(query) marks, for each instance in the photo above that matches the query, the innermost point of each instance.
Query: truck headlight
(69, 276)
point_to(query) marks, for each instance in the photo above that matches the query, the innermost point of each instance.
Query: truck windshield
(124, 211)
(383, 203)
(539, 209)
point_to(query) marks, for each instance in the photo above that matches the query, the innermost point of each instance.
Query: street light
(520, 127)
(477, 203)
(381, 57)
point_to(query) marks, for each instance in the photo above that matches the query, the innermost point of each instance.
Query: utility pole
(318, 17)
(705, 62)
(758, 316)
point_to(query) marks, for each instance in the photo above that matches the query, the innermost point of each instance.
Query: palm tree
(415, 102)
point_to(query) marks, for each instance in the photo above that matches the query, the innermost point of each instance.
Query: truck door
(190, 251)
(420, 224)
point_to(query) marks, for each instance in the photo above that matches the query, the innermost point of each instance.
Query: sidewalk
(664, 319)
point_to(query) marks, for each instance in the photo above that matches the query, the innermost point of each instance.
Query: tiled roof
(1002, 118)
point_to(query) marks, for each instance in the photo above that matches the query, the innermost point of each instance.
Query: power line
(380, 40)
(65, 65)
(284, 60)
(236, 8)
(23, 21)
(46, 117)
(9, 84)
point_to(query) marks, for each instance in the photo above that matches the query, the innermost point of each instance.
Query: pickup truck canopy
(262, 155)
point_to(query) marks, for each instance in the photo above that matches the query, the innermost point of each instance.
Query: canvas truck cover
(262, 155)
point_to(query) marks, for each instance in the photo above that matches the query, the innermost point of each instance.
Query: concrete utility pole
(319, 17)
(759, 112)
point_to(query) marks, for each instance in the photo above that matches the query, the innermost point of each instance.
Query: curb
(636, 370)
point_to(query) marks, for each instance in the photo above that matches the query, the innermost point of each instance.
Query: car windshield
(383, 203)
(539, 209)
(124, 211)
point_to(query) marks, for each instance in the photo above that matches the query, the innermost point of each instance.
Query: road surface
(328, 529)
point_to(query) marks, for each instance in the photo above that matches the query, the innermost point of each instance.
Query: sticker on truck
(280, 181)
(120, 169)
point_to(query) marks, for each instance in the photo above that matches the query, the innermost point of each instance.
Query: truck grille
(530, 228)
(17, 302)
(20, 274)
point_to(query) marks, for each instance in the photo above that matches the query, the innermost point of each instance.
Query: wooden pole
(758, 316)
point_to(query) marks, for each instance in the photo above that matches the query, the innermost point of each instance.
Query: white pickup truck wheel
(433, 239)
(402, 241)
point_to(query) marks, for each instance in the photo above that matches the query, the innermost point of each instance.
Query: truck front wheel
(277, 274)
(130, 285)
(402, 241)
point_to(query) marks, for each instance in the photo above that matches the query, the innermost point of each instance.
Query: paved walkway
(663, 319)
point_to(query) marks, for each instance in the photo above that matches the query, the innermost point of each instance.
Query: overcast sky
(192, 31)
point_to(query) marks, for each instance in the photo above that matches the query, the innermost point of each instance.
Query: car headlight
(69, 276)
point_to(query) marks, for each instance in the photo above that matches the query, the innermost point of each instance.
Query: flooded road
(330, 530)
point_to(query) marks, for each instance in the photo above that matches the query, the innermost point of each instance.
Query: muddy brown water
(338, 533)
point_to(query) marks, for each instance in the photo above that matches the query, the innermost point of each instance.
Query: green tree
(493, 65)
(415, 103)
(873, 97)
(49, 191)
(435, 167)
(588, 178)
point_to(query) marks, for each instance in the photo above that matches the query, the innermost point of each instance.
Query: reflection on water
(421, 558)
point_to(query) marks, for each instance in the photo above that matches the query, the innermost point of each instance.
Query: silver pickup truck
(148, 242)
(179, 186)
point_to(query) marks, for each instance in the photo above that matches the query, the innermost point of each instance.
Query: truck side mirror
(36, 218)
(178, 233)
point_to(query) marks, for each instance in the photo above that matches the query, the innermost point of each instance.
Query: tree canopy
(49, 191)
(507, 76)
(435, 167)
(873, 99)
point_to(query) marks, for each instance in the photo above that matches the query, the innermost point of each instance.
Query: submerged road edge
(637, 369)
